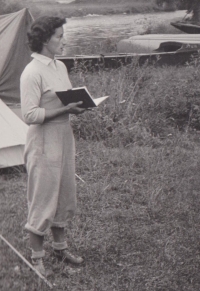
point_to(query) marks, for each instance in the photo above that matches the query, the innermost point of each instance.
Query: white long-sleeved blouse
(41, 78)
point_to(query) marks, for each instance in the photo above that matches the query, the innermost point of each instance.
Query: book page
(78, 88)
(97, 101)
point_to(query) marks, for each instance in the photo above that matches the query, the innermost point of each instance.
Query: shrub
(142, 106)
(171, 5)
(9, 6)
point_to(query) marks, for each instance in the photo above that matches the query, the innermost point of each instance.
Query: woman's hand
(73, 108)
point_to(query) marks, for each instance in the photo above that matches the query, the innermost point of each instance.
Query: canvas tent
(14, 52)
(13, 133)
(14, 56)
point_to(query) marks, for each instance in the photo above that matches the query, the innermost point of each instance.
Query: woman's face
(55, 45)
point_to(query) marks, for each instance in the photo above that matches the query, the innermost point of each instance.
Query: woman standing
(50, 149)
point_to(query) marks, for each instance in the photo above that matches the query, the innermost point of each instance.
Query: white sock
(59, 246)
(37, 255)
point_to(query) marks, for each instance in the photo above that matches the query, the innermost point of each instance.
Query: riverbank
(86, 7)
(100, 34)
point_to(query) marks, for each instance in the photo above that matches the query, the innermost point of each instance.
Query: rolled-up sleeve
(30, 88)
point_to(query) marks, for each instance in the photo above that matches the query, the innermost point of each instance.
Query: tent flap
(13, 132)
(12, 156)
(14, 52)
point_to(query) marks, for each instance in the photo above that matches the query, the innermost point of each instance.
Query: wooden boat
(148, 43)
(168, 53)
(187, 27)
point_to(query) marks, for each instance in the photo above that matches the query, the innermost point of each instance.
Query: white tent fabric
(14, 56)
(13, 133)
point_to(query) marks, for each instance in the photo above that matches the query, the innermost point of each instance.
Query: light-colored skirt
(50, 162)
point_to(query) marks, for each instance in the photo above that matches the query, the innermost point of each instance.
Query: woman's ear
(46, 42)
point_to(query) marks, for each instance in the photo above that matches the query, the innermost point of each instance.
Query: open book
(79, 94)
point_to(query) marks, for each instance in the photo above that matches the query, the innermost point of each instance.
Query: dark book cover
(79, 94)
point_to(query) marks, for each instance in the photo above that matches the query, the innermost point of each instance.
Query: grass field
(137, 223)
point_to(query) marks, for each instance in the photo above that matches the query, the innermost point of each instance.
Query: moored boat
(190, 28)
(168, 53)
(159, 49)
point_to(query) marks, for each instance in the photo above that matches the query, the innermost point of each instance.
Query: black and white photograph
(99, 145)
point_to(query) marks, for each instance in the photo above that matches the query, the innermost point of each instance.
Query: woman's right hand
(73, 108)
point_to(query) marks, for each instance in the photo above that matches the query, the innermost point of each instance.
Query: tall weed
(146, 103)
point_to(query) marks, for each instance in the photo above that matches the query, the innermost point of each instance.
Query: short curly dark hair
(41, 31)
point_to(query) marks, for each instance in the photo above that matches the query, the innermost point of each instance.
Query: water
(80, 32)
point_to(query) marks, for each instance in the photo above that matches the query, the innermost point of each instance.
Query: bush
(142, 106)
(171, 5)
(9, 6)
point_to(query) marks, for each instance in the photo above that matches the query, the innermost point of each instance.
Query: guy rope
(27, 262)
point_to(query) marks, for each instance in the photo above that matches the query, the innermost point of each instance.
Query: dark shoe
(65, 255)
(39, 266)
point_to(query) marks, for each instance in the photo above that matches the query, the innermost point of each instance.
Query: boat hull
(187, 27)
(115, 61)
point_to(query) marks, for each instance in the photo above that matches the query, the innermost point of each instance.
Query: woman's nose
(63, 40)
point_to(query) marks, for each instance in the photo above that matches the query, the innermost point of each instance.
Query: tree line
(192, 6)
